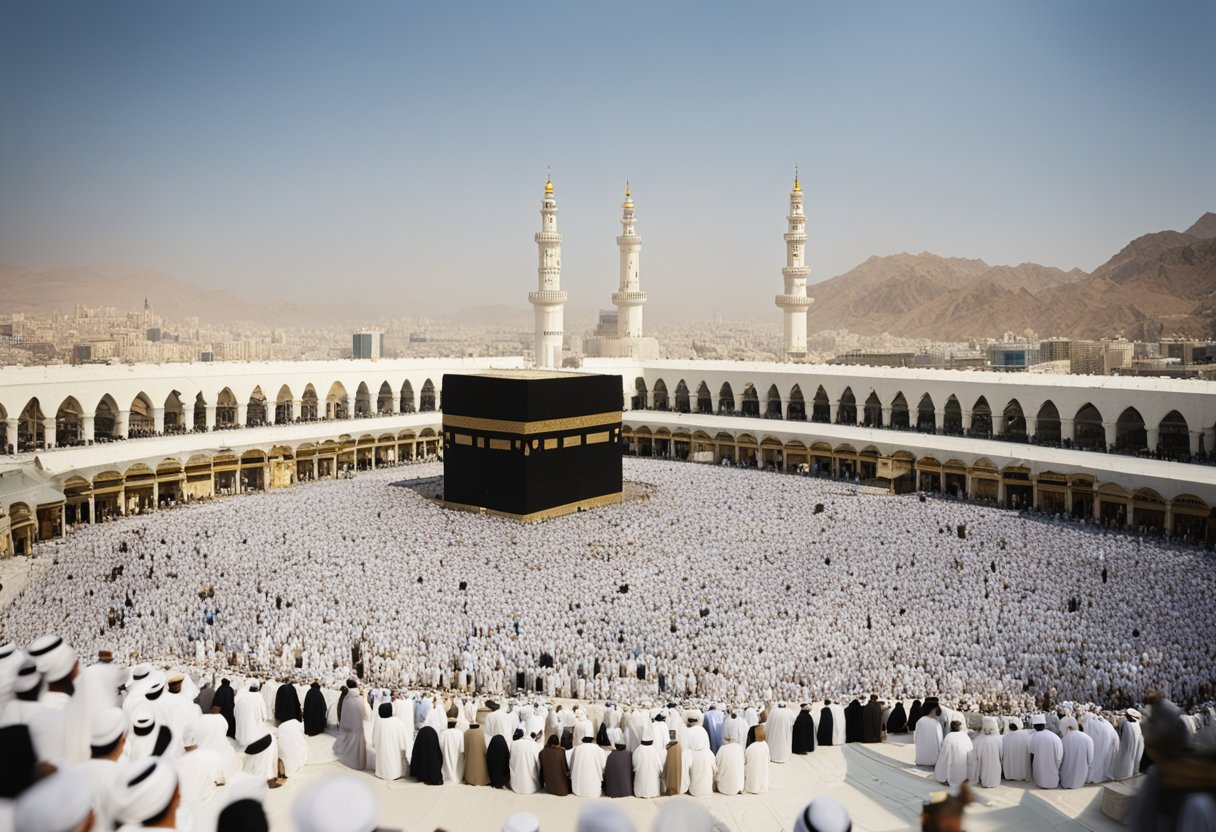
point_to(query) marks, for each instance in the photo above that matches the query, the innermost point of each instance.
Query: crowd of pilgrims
(718, 586)
(104, 747)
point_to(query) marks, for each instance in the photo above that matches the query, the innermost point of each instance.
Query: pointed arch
(772, 403)
(175, 413)
(1130, 433)
(900, 418)
(705, 401)
(1047, 425)
(821, 407)
(981, 418)
(726, 400)
(310, 405)
(337, 402)
(225, 409)
(751, 401)
(1088, 430)
(1173, 436)
(795, 410)
(952, 417)
(140, 422)
(284, 406)
(660, 394)
(683, 405)
(407, 397)
(872, 415)
(384, 400)
(105, 419)
(69, 422)
(926, 415)
(426, 400)
(641, 397)
(255, 410)
(198, 414)
(846, 409)
(1015, 421)
(363, 401)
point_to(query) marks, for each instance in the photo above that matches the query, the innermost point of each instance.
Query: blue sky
(397, 151)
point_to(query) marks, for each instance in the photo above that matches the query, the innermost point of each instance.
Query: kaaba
(531, 444)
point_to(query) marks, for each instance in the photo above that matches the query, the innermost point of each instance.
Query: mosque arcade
(92, 442)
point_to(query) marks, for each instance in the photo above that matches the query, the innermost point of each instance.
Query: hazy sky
(397, 151)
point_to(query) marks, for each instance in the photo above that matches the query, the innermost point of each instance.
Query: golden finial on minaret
(549, 181)
(626, 188)
(797, 184)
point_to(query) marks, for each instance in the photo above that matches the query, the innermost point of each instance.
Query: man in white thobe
(984, 767)
(951, 766)
(525, 765)
(729, 764)
(1106, 746)
(928, 736)
(587, 763)
(1015, 752)
(647, 767)
(1131, 747)
(780, 731)
(250, 713)
(1078, 756)
(755, 764)
(451, 745)
(1046, 754)
(388, 741)
(699, 764)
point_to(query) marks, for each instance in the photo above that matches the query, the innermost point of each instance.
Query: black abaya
(426, 765)
(825, 726)
(315, 711)
(897, 722)
(804, 733)
(286, 703)
(853, 731)
(498, 761)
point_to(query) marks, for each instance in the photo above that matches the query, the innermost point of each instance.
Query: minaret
(548, 300)
(794, 302)
(629, 298)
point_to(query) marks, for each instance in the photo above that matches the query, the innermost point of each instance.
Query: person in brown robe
(673, 769)
(871, 720)
(476, 772)
(554, 769)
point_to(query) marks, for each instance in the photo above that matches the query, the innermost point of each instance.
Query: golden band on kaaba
(531, 444)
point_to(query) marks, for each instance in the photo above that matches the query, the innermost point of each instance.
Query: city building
(368, 344)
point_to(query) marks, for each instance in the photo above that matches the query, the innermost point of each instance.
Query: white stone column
(158, 420)
(11, 426)
(1068, 431)
(966, 430)
(272, 413)
(1194, 437)
(886, 416)
(122, 423)
(88, 430)
(1152, 437)
(1112, 432)
(48, 432)
(1032, 427)
(939, 423)
(92, 509)
(242, 413)
(998, 424)
(210, 410)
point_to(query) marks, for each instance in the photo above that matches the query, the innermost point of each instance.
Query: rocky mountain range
(1159, 284)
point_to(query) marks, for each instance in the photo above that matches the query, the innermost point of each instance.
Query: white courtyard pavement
(878, 783)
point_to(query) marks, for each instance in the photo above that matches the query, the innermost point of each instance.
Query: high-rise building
(368, 344)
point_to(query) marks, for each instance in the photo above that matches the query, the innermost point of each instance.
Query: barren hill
(1159, 284)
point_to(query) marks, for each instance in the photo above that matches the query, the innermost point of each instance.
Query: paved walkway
(878, 783)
